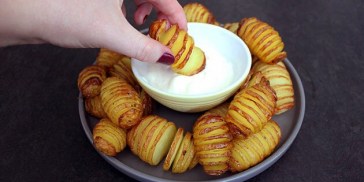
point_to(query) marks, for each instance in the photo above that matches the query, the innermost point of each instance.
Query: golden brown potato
(280, 81)
(233, 27)
(151, 138)
(147, 102)
(122, 69)
(189, 59)
(221, 109)
(212, 141)
(93, 106)
(262, 40)
(196, 12)
(247, 152)
(251, 108)
(90, 80)
(121, 102)
(108, 138)
(106, 58)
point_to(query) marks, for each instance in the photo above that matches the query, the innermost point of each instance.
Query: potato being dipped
(189, 59)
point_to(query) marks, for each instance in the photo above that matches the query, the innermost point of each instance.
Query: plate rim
(241, 176)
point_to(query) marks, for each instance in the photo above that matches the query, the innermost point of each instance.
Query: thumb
(130, 42)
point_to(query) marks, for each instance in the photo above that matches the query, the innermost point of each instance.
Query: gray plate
(290, 123)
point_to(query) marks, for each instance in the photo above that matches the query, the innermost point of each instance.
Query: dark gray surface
(41, 138)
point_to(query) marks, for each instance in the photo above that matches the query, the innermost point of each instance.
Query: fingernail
(166, 58)
(145, 18)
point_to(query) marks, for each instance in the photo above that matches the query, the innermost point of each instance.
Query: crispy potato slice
(163, 144)
(232, 27)
(197, 60)
(90, 80)
(173, 149)
(183, 157)
(106, 58)
(108, 138)
(247, 152)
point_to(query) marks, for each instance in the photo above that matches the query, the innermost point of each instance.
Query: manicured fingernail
(166, 58)
(145, 18)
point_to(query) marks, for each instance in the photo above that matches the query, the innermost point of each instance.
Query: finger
(172, 10)
(142, 12)
(126, 40)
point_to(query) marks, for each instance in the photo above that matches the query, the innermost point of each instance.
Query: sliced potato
(189, 59)
(93, 106)
(251, 108)
(196, 12)
(121, 102)
(247, 152)
(262, 40)
(232, 27)
(212, 141)
(173, 149)
(108, 138)
(280, 80)
(90, 80)
(107, 58)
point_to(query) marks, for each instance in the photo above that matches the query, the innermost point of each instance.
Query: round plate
(289, 122)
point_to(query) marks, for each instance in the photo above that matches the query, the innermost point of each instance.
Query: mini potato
(122, 69)
(247, 152)
(212, 141)
(90, 80)
(251, 108)
(189, 59)
(262, 40)
(196, 12)
(151, 139)
(108, 138)
(280, 81)
(93, 106)
(107, 58)
(121, 102)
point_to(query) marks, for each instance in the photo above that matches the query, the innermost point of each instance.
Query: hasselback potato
(280, 80)
(247, 152)
(108, 138)
(106, 58)
(233, 27)
(262, 39)
(189, 59)
(251, 108)
(121, 102)
(212, 143)
(90, 80)
(196, 12)
(93, 106)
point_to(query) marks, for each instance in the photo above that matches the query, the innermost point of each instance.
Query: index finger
(172, 10)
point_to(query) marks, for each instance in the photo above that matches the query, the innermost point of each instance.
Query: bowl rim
(233, 86)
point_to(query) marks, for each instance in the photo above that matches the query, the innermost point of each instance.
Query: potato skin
(251, 108)
(93, 106)
(109, 138)
(90, 80)
(232, 27)
(121, 102)
(247, 152)
(262, 39)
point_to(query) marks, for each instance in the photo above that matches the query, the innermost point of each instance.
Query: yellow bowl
(207, 36)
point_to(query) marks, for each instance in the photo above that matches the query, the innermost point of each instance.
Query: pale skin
(86, 24)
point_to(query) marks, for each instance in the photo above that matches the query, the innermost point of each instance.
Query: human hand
(87, 24)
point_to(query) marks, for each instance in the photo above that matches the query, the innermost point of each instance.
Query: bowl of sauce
(228, 62)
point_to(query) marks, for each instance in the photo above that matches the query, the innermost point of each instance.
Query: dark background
(41, 138)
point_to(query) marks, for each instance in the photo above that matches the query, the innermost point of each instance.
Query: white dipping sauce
(218, 73)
